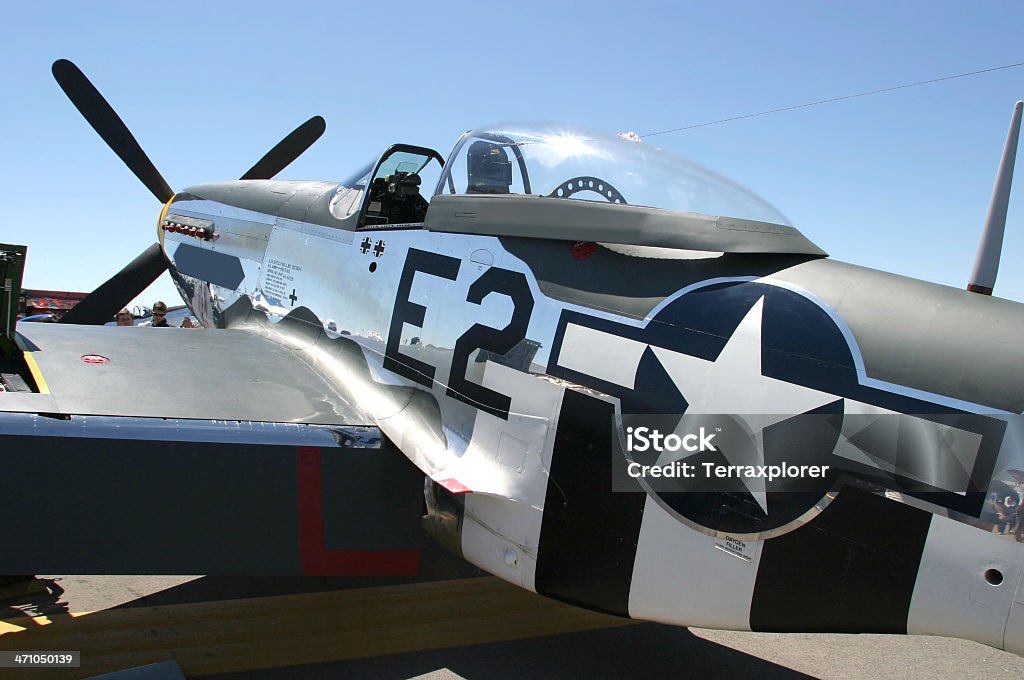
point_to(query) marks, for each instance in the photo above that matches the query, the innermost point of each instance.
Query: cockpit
(516, 179)
(566, 161)
(388, 193)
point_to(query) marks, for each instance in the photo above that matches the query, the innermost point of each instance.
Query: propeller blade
(288, 149)
(101, 305)
(88, 100)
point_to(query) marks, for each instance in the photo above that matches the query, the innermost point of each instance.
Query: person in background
(125, 318)
(1018, 521)
(159, 316)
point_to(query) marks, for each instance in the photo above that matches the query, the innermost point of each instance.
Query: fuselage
(511, 369)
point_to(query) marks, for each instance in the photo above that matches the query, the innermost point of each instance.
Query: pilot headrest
(488, 167)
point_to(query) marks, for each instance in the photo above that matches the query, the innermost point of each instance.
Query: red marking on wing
(315, 558)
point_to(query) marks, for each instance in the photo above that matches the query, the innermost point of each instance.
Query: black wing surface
(198, 451)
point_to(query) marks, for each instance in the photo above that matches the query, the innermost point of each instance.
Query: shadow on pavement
(642, 651)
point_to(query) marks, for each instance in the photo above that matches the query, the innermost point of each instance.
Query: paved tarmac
(310, 628)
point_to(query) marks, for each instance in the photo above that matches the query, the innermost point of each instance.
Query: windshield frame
(429, 154)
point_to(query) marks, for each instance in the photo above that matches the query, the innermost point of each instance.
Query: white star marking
(733, 384)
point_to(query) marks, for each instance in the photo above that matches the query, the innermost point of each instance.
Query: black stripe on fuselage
(207, 265)
(589, 533)
(851, 570)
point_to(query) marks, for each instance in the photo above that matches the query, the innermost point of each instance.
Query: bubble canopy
(572, 162)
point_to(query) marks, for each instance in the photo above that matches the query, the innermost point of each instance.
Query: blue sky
(898, 181)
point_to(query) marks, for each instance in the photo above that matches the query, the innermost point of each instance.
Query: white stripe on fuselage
(681, 576)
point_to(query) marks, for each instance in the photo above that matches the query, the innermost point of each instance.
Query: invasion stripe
(851, 570)
(589, 534)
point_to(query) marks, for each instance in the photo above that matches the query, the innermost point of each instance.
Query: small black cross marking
(364, 247)
(293, 297)
(378, 249)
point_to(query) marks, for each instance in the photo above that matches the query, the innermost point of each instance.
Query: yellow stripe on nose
(160, 220)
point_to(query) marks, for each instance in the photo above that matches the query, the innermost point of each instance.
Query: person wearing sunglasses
(159, 316)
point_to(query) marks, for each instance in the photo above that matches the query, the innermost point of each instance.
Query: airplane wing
(197, 451)
(176, 373)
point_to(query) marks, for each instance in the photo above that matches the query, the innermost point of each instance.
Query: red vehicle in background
(41, 302)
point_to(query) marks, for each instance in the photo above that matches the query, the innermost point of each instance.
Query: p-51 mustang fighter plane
(631, 384)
